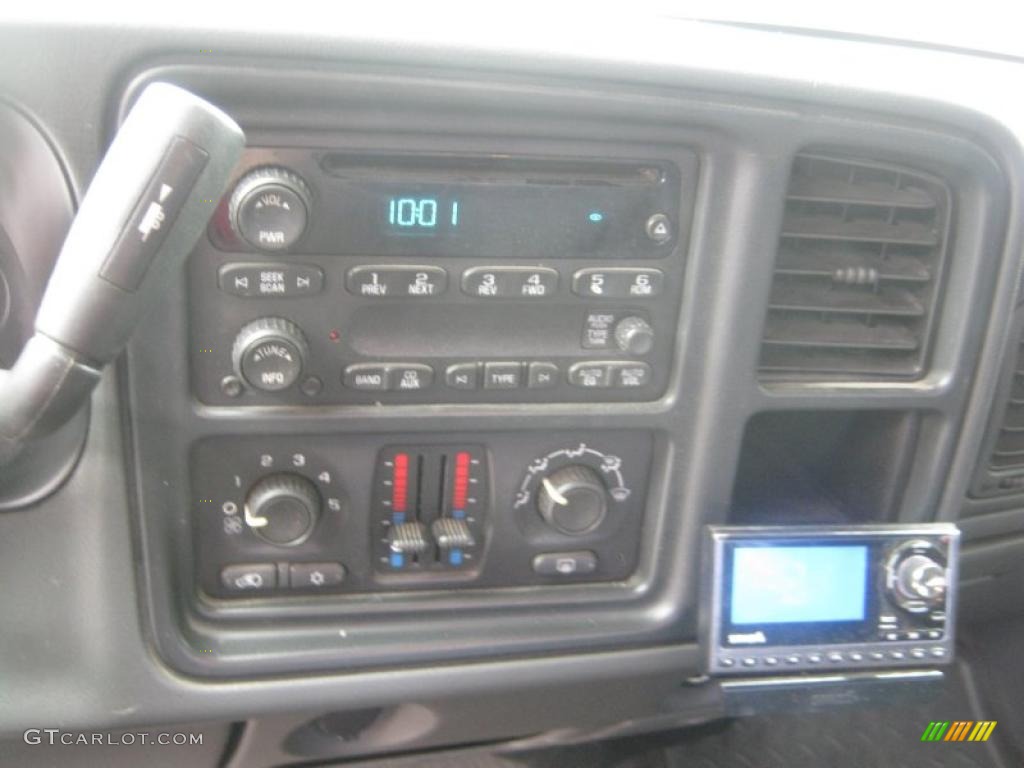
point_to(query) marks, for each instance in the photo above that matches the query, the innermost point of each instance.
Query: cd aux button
(409, 377)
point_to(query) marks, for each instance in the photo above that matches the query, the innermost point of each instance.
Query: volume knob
(269, 353)
(269, 208)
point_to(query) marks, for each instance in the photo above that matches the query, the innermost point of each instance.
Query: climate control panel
(331, 278)
(285, 517)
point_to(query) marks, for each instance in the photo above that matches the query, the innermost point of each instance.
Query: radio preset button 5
(267, 280)
(510, 282)
(618, 283)
(397, 282)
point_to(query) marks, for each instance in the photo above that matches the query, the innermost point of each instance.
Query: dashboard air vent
(857, 271)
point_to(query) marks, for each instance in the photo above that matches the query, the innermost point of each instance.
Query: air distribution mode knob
(573, 499)
(269, 208)
(282, 509)
(634, 335)
(270, 353)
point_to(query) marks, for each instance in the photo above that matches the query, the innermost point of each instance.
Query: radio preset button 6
(510, 282)
(266, 280)
(618, 283)
(396, 282)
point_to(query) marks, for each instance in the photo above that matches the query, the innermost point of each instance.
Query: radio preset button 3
(397, 282)
(510, 282)
(618, 283)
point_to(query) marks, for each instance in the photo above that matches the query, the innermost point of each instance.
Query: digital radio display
(796, 584)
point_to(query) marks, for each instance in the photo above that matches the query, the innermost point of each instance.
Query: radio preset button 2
(618, 283)
(397, 282)
(510, 282)
(270, 280)
(503, 375)
(461, 376)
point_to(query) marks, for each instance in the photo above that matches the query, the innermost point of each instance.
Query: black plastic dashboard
(136, 539)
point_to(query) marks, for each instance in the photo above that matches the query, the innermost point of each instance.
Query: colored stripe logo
(958, 730)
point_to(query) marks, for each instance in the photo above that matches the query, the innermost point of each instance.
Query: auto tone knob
(282, 509)
(634, 336)
(573, 499)
(269, 208)
(270, 353)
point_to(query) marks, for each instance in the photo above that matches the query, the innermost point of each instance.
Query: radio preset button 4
(510, 282)
(397, 282)
(618, 283)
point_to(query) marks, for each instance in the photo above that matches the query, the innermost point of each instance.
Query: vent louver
(857, 271)
(1008, 450)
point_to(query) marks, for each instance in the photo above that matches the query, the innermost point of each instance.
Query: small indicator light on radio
(596, 216)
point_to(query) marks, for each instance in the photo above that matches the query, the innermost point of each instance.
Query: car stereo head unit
(783, 599)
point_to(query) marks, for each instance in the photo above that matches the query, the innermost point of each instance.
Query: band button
(366, 377)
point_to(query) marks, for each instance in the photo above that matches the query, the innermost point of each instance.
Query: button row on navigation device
(393, 377)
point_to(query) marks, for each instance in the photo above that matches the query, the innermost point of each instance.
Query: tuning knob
(269, 353)
(634, 335)
(573, 499)
(282, 509)
(269, 208)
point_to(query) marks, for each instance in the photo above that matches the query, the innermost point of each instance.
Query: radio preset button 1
(396, 282)
(749, 661)
(618, 283)
(503, 375)
(542, 375)
(269, 280)
(366, 377)
(461, 376)
(510, 282)
(727, 662)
